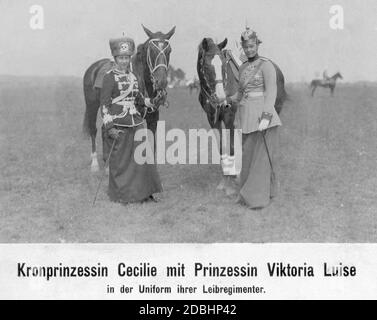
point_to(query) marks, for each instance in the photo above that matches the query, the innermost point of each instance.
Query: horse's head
(158, 55)
(338, 75)
(211, 68)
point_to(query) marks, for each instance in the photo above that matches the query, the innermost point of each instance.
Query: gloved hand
(263, 125)
(229, 100)
(114, 133)
(148, 102)
(157, 101)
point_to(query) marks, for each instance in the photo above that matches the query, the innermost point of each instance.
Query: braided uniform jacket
(129, 110)
(257, 94)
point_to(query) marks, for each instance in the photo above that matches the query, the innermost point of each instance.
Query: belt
(119, 127)
(130, 107)
(125, 103)
(253, 94)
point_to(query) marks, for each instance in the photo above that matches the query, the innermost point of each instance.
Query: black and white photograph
(309, 176)
(188, 122)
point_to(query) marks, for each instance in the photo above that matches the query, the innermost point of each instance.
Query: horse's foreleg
(230, 172)
(229, 118)
(219, 139)
(152, 120)
(217, 127)
(94, 167)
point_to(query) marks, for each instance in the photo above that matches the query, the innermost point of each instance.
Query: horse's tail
(281, 98)
(282, 95)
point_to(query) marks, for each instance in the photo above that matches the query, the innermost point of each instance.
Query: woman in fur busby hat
(123, 109)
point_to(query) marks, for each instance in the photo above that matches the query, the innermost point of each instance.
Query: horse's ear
(170, 33)
(148, 32)
(223, 44)
(205, 44)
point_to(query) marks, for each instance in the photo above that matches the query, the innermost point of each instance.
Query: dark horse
(150, 65)
(217, 82)
(330, 83)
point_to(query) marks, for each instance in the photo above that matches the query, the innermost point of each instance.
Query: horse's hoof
(221, 185)
(94, 168)
(230, 191)
(239, 200)
(151, 198)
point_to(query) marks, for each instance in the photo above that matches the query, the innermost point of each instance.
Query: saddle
(101, 73)
(234, 64)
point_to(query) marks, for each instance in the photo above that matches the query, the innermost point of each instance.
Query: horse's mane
(212, 45)
(199, 63)
(212, 48)
(232, 84)
(140, 55)
(140, 68)
(140, 50)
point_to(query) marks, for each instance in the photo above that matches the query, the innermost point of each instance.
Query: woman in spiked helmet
(259, 122)
(123, 109)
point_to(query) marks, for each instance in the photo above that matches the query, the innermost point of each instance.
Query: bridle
(154, 65)
(211, 97)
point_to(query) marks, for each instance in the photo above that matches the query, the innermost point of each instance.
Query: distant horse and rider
(150, 65)
(218, 73)
(326, 82)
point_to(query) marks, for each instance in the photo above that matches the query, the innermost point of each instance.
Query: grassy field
(327, 170)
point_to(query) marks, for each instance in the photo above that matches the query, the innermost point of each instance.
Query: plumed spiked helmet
(122, 46)
(250, 34)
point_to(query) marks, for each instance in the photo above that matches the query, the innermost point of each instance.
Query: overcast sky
(295, 33)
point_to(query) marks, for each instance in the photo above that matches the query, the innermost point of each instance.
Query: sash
(253, 73)
(124, 94)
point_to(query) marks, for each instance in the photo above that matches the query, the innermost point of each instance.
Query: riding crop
(268, 154)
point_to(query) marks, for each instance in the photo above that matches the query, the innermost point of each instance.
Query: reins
(210, 97)
(153, 66)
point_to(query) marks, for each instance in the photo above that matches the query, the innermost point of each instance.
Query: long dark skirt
(128, 180)
(258, 184)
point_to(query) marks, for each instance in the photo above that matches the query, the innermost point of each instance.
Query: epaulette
(113, 69)
(244, 64)
(259, 58)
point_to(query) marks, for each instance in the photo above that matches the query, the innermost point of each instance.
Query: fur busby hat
(122, 46)
(250, 34)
